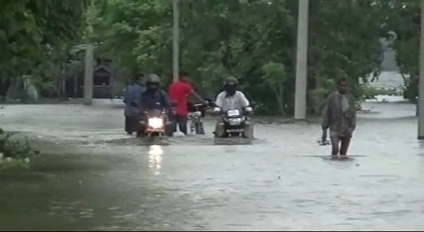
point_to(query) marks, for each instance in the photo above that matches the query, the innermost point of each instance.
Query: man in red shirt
(178, 93)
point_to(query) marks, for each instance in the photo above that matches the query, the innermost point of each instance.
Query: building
(104, 82)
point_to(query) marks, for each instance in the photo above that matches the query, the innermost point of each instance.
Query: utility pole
(89, 57)
(301, 61)
(421, 80)
(175, 40)
(88, 74)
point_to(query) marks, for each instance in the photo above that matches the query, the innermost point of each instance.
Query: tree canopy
(30, 28)
(253, 40)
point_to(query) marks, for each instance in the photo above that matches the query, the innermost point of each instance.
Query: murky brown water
(96, 177)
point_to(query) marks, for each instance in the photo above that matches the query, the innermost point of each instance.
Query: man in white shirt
(232, 99)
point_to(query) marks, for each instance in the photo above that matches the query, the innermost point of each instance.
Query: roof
(100, 67)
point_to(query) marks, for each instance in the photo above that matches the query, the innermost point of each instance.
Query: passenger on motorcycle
(153, 97)
(232, 99)
(131, 100)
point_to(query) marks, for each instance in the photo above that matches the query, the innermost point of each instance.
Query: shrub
(14, 152)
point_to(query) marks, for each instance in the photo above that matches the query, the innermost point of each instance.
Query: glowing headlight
(155, 123)
(235, 121)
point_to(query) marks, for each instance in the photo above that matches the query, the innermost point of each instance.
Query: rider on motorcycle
(231, 99)
(153, 97)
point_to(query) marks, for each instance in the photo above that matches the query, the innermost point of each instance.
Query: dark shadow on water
(327, 156)
(348, 158)
(136, 141)
(232, 141)
(421, 144)
(68, 163)
(195, 140)
(403, 118)
(23, 175)
(391, 103)
(90, 192)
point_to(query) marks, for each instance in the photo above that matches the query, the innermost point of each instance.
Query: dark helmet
(230, 80)
(152, 79)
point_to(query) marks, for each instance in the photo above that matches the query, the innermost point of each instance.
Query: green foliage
(403, 21)
(252, 40)
(275, 76)
(30, 29)
(15, 152)
(369, 92)
(135, 34)
(274, 73)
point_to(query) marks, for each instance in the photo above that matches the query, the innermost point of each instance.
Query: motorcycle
(155, 124)
(235, 123)
(196, 113)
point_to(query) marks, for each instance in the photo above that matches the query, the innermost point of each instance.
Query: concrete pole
(175, 40)
(301, 61)
(89, 56)
(88, 74)
(421, 80)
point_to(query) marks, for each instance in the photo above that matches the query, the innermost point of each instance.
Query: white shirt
(236, 102)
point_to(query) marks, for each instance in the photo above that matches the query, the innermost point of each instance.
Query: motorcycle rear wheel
(198, 128)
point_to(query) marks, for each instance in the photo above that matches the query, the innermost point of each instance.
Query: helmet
(230, 85)
(152, 82)
(153, 78)
(230, 80)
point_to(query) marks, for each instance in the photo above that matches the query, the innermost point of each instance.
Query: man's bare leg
(345, 142)
(335, 141)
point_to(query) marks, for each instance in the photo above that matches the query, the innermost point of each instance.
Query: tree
(135, 34)
(403, 18)
(248, 39)
(29, 28)
(344, 42)
(275, 76)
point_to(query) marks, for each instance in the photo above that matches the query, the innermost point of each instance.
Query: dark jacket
(132, 99)
(154, 100)
(333, 118)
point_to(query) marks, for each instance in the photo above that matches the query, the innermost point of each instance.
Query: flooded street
(94, 176)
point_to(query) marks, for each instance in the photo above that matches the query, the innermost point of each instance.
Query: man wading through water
(132, 104)
(339, 115)
(178, 93)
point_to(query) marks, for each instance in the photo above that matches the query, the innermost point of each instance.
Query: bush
(14, 152)
(369, 92)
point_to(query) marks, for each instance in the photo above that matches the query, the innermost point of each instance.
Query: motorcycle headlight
(155, 123)
(235, 121)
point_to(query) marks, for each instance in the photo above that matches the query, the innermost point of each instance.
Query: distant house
(104, 83)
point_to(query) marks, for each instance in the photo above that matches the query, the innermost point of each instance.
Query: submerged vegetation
(15, 152)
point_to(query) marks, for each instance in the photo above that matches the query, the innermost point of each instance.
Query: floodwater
(95, 177)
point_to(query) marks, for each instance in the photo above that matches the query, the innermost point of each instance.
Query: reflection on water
(155, 158)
